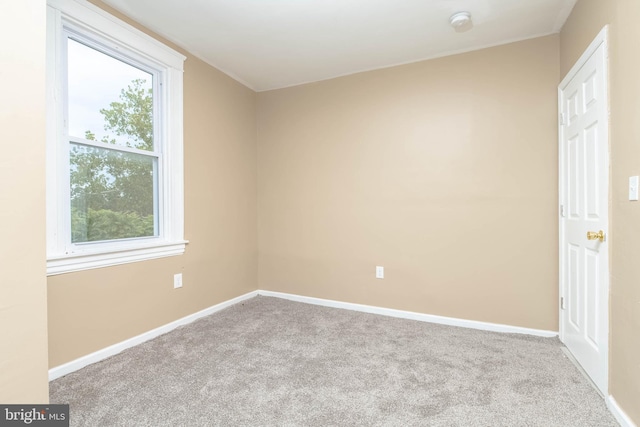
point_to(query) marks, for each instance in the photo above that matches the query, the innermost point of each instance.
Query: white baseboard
(99, 355)
(618, 413)
(452, 321)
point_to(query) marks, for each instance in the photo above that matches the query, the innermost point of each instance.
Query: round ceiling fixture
(460, 21)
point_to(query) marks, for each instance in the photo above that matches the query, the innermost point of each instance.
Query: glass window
(110, 106)
(114, 145)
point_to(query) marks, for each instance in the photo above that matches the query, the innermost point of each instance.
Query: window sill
(79, 262)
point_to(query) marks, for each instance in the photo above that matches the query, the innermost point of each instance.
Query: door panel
(584, 181)
(573, 308)
(592, 260)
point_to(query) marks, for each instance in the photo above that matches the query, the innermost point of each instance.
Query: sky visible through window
(95, 80)
(112, 191)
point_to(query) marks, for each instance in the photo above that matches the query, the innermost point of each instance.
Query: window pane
(109, 100)
(112, 194)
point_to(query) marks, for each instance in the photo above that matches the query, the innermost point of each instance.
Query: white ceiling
(269, 44)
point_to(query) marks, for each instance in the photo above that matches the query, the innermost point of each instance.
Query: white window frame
(63, 256)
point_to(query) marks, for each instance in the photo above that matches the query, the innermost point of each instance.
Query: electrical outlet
(379, 272)
(177, 281)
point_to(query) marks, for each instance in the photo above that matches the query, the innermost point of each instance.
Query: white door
(584, 185)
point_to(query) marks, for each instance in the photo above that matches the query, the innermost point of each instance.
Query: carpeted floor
(272, 362)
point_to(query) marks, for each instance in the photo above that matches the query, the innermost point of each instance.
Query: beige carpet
(272, 362)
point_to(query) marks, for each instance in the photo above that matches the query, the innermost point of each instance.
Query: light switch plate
(177, 281)
(633, 188)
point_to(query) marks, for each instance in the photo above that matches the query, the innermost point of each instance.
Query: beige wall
(444, 172)
(93, 309)
(23, 307)
(586, 20)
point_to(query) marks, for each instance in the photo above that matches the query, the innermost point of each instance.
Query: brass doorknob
(592, 235)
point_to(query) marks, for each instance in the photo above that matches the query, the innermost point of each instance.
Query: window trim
(62, 257)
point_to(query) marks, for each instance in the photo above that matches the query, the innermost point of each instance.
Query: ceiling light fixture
(461, 21)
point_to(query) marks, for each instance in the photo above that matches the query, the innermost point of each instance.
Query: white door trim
(602, 39)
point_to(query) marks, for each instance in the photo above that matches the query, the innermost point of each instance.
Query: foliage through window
(112, 191)
(114, 180)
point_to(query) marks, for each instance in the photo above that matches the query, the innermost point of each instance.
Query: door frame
(602, 39)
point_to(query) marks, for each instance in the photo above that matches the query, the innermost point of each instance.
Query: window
(114, 142)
